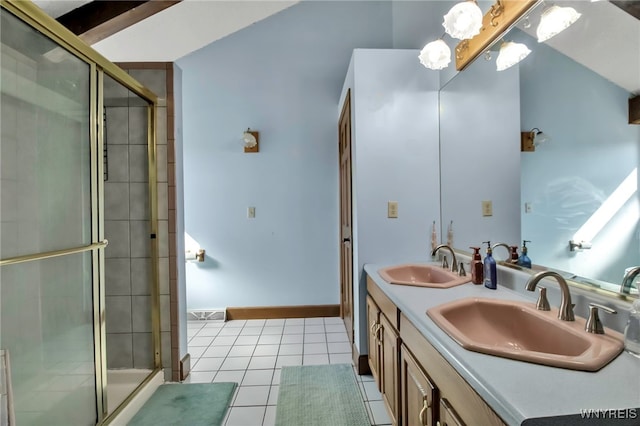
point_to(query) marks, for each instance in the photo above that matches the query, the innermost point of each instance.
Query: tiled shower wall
(158, 77)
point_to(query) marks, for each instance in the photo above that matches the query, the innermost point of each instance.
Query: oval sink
(518, 330)
(421, 275)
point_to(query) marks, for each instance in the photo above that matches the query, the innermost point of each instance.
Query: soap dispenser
(477, 271)
(490, 272)
(434, 237)
(524, 260)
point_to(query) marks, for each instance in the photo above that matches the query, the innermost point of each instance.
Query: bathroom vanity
(426, 378)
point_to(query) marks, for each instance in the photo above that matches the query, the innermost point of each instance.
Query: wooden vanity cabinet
(419, 386)
(418, 395)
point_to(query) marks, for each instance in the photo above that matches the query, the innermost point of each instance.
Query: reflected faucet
(628, 279)
(454, 263)
(512, 250)
(565, 312)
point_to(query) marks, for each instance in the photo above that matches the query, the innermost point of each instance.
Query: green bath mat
(320, 395)
(193, 404)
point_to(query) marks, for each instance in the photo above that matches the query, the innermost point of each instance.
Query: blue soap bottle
(490, 272)
(524, 260)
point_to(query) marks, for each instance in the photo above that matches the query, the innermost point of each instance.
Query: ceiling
(192, 24)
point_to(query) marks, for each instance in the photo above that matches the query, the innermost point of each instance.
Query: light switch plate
(392, 209)
(251, 212)
(487, 208)
(528, 207)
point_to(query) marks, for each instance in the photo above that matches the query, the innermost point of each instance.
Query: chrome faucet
(510, 250)
(625, 288)
(565, 312)
(454, 263)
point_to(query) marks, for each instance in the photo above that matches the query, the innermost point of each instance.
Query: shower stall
(79, 303)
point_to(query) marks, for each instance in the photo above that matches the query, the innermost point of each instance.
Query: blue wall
(592, 149)
(281, 76)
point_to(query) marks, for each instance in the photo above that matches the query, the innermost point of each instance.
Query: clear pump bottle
(632, 331)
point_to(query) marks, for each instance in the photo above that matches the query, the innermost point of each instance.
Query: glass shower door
(47, 238)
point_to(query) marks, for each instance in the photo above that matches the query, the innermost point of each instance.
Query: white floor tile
(335, 328)
(266, 350)
(236, 363)
(271, 322)
(224, 340)
(262, 362)
(294, 349)
(293, 329)
(272, 330)
(251, 331)
(371, 391)
(380, 415)
(235, 323)
(315, 348)
(315, 338)
(251, 396)
(230, 331)
(200, 341)
(196, 325)
(270, 339)
(200, 377)
(314, 321)
(294, 321)
(229, 376)
(292, 338)
(334, 320)
(270, 416)
(255, 323)
(208, 332)
(196, 352)
(314, 328)
(284, 360)
(214, 324)
(276, 376)
(340, 358)
(337, 337)
(216, 351)
(273, 395)
(339, 347)
(247, 340)
(245, 416)
(208, 364)
(315, 359)
(238, 350)
(258, 378)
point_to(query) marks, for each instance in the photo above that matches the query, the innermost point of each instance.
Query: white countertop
(517, 390)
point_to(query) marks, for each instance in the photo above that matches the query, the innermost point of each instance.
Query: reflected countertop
(516, 390)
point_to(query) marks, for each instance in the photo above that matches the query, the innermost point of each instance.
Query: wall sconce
(251, 140)
(464, 20)
(510, 54)
(529, 140)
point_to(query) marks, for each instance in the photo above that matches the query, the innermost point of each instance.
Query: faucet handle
(445, 263)
(461, 271)
(593, 324)
(543, 303)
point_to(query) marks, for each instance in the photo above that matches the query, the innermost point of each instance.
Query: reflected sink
(422, 276)
(517, 330)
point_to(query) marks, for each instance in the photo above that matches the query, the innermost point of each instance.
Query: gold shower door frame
(99, 65)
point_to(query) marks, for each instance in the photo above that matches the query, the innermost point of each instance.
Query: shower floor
(121, 383)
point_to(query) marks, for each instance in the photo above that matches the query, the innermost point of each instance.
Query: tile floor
(252, 353)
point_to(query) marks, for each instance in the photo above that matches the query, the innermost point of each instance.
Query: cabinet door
(373, 321)
(418, 401)
(448, 416)
(389, 367)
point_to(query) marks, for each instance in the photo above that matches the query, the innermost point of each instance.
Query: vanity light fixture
(554, 20)
(463, 20)
(510, 54)
(435, 55)
(250, 140)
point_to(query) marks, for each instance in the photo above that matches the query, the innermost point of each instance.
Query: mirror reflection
(578, 201)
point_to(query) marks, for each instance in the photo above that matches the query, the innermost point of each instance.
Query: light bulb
(554, 20)
(435, 55)
(463, 21)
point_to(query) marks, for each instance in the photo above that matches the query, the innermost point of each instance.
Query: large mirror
(581, 183)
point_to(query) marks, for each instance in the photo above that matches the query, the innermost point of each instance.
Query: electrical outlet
(251, 212)
(528, 207)
(487, 208)
(392, 209)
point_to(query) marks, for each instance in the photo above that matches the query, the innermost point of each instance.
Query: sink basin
(517, 330)
(422, 276)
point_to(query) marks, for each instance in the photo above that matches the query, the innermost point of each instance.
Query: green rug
(193, 404)
(320, 395)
